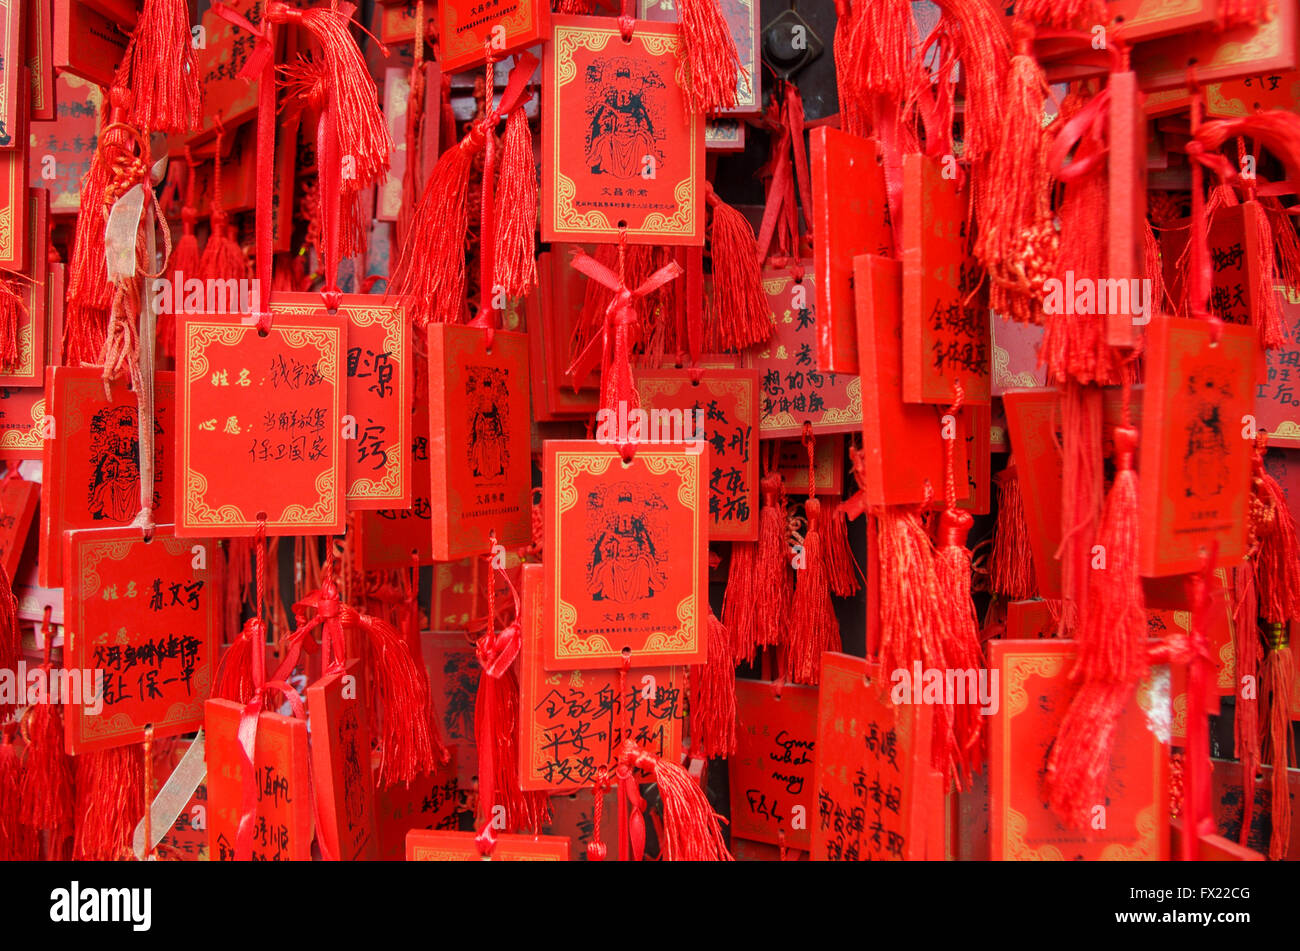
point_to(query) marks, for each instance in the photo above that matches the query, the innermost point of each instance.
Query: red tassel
(1062, 14)
(413, 175)
(691, 831)
(223, 259)
(1017, 240)
(813, 626)
(186, 261)
(1279, 678)
(952, 570)
(739, 312)
(234, 680)
(1245, 720)
(849, 68)
(841, 567)
(889, 31)
(89, 295)
(1267, 319)
(1084, 482)
(515, 264)
(772, 574)
(362, 129)
(1112, 655)
(912, 625)
(1276, 559)
(161, 70)
(713, 698)
(17, 842)
(46, 798)
(431, 271)
(739, 602)
(496, 728)
(712, 63)
(110, 802)
(984, 47)
(10, 638)
(11, 311)
(1012, 569)
(410, 741)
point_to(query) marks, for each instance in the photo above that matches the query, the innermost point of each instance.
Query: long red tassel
(431, 271)
(17, 842)
(772, 574)
(740, 602)
(223, 259)
(1012, 565)
(1276, 558)
(1245, 720)
(983, 45)
(12, 310)
(46, 797)
(1112, 655)
(691, 831)
(813, 626)
(1267, 318)
(10, 638)
(110, 802)
(515, 263)
(1279, 681)
(1062, 14)
(496, 728)
(952, 569)
(161, 70)
(712, 61)
(739, 312)
(186, 262)
(841, 567)
(713, 698)
(234, 680)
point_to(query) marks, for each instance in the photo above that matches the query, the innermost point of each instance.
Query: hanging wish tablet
(620, 151)
(626, 555)
(260, 426)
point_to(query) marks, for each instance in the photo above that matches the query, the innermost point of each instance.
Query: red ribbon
(496, 651)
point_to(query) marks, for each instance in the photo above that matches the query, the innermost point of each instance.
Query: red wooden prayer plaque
(794, 390)
(422, 846)
(1146, 19)
(945, 298)
(1243, 97)
(1231, 54)
(893, 477)
(23, 422)
(626, 556)
(18, 500)
(91, 471)
(466, 26)
(431, 801)
(226, 96)
(726, 403)
(14, 210)
(872, 764)
(145, 615)
(554, 311)
(1194, 468)
(771, 773)
(70, 139)
(283, 817)
(1034, 692)
(478, 440)
(40, 58)
(828, 465)
(260, 426)
(14, 84)
(397, 22)
(618, 144)
(850, 217)
(571, 722)
(1277, 396)
(390, 537)
(29, 368)
(89, 44)
(378, 367)
(340, 750)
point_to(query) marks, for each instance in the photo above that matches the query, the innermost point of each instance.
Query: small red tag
(379, 394)
(553, 313)
(227, 96)
(283, 817)
(29, 368)
(145, 614)
(724, 403)
(91, 463)
(772, 778)
(478, 440)
(846, 222)
(626, 556)
(260, 426)
(1194, 467)
(872, 767)
(453, 670)
(432, 801)
(467, 25)
(1034, 692)
(795, 391)
(18, 500)
(461, 847)
(571, 722)
(828, 466)
(894, 478)
(340, 749)
(390, 537)
(619, 148)
(945, 301)
(1277, 396)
